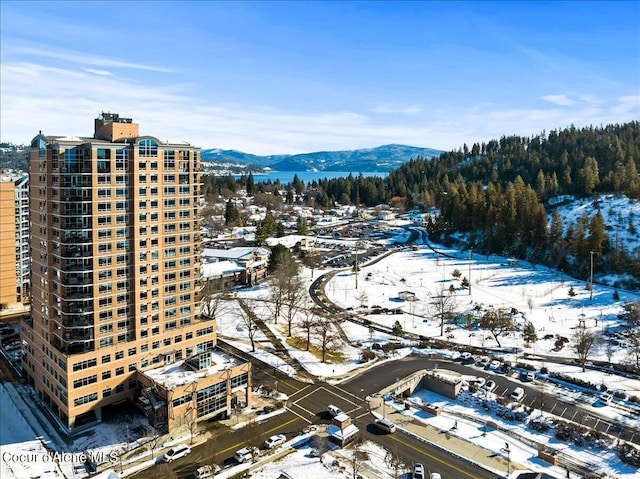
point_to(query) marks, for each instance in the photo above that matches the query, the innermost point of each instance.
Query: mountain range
(383, 158)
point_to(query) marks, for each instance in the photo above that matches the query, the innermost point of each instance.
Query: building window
(85, 399)
(147, 148)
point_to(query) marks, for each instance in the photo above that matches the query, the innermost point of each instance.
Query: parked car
(517, 394)
(606, 398)
(435, 475)
(418, 471)
(490, 385)
(466, 357)
(205, 472)
(275, 441)
(245, 454)
(334, 410)
(176, 452)
(385, 425)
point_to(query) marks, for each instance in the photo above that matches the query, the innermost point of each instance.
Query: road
(307, 405)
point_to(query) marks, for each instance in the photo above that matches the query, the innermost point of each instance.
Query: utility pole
(591, 253)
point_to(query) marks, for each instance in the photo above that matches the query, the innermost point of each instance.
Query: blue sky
(290, 77)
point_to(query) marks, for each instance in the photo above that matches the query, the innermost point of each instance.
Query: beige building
(115, 251)
(14, 243)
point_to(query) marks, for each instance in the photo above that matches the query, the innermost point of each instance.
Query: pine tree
(231, 214)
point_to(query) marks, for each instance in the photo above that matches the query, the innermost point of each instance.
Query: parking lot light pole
(508, 451)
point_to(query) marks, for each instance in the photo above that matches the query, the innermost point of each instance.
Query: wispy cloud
(98, 72)
(84, 59)
(562, 100)
(64, 101)
(405, 110)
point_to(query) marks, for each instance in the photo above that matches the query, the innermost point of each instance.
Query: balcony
(71, 238)
(75, 279)
(77, 307)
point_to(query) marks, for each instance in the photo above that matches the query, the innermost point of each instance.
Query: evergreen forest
(499, 195)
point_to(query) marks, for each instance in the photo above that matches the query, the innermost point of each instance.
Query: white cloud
(408, 110)
(98, 72)
(562, 100)
(82, 58)
(64, 101)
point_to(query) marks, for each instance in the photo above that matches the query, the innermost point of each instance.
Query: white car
(418, 471)
(490, 385)
(176, 452)
(275, 441)
(245, 454)
(205, 472)
(517, 394)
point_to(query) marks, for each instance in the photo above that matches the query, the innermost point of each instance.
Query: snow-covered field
(539, 294)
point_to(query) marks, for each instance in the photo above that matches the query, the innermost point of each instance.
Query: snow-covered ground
(538, 293)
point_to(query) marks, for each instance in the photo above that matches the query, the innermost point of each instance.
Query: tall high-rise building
(114, 294)
(14, 241)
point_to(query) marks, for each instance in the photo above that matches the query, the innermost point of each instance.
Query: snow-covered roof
(220, 269)
(239, 253)
(176, 374)
(342, 434)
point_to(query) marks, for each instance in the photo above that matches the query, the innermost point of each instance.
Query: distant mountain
(382, 158)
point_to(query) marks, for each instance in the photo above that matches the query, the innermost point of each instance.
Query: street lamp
(508, 451)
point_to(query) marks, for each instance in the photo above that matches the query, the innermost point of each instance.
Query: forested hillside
(500, 193)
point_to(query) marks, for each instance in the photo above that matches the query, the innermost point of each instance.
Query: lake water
(309, 176)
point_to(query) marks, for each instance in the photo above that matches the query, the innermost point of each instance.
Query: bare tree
(631, 316)
(250, 321)
(497, 321)
(609, 349)
(321, 443)
(212, 299)
(358, 458)
(153, 442)
(324, 329)
(307, 323)
(362, 297)
(394, 461)
(282, 280)
(313, 260)
(250, 433)
(294, 296)
(584, 341)
(276, 294)
(443, 303)
(634, 347)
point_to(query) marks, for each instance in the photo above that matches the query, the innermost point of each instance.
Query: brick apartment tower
(115, 249)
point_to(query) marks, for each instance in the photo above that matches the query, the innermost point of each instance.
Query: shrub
(367, 355)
